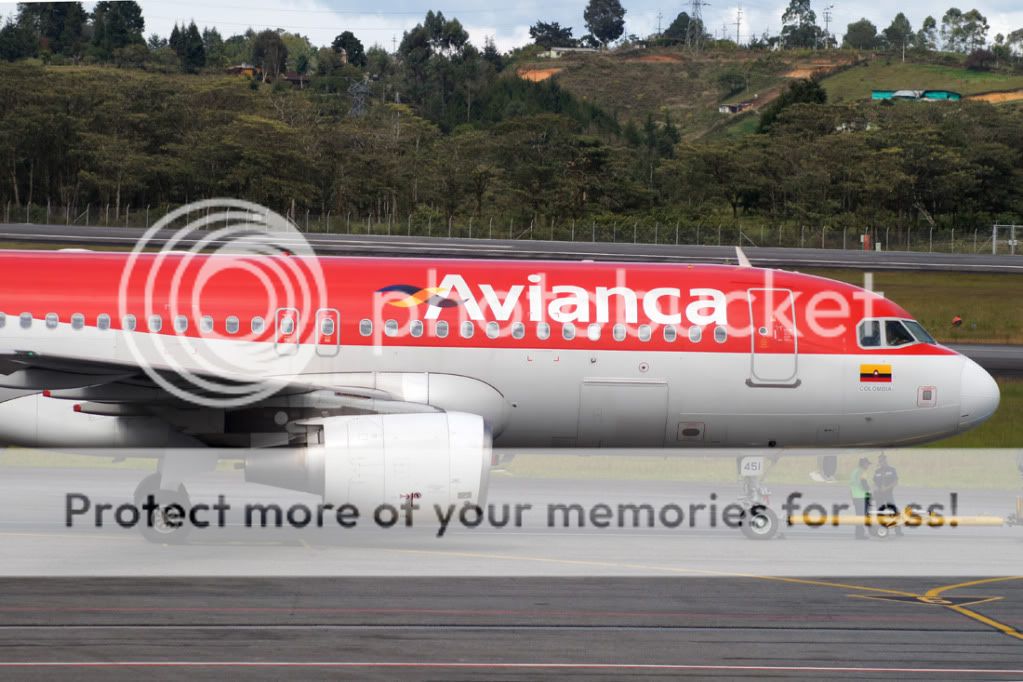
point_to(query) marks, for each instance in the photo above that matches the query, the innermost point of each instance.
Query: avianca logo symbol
(414, 296)
(566, 303)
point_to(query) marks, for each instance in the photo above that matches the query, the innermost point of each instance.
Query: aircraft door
(774, 354)
(286, 331)
(328, 332)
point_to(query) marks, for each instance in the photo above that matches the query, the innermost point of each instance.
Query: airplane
(368, 378)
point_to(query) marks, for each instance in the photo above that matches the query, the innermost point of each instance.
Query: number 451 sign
(752, 466)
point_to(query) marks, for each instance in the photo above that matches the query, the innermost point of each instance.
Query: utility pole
(660, 16)
(394, 44)
(738, 22)
(694, 32)
(827, 20)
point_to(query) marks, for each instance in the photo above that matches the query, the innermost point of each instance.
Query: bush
(980, 60)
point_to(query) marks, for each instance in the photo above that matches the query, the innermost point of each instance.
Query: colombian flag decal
(876, 374)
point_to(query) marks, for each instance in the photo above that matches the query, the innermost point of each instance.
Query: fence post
(953, 243)
(975, 241)
(573, 229)
(676, 233)
(802, 236)
(127, 212)
(67, 214)
(450, 218)
(470, 226)
(719, 234)
(28, 212)
(47, 210)
(930, 240)
(491, 227)
(307, 220)
(635, 229)
(657, 226)
(328, 222)
(593, 231)
(7, 212)
(410, 224)
(845, 235)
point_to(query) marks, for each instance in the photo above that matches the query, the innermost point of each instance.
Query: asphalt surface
(442, 247)
(477, 609)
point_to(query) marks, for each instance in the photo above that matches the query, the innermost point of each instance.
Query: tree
(860, 35)
(492, 55)
(806, 91)
(975, 28)
(17, 42)
(193, 54)
(799, 25)
(605, 19)
(59, 26)
(679, 29)
(213, 44)
(952, 37)
(899, 33)
(116, 25)
(927, 36)
(270, 54)
(548, 35)
(352, 46)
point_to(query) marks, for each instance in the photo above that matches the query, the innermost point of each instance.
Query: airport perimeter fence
(597, 230)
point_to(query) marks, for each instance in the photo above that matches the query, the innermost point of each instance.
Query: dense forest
(442, 132)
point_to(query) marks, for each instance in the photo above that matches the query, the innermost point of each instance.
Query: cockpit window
(870, 333)
(896, 333)
(919, 332)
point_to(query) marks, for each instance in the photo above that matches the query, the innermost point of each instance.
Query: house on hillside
(243, 69)
(916, 95)
(734, 108)
(559, 52)
(299, 80)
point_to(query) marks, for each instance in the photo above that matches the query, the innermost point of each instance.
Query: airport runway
(485, 621)
(441, 247)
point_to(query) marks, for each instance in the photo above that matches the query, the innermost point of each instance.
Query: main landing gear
(166, 521)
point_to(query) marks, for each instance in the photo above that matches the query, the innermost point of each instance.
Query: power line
(827, 22)
(694, 32)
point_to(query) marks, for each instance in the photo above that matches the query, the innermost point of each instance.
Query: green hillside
(856, 83)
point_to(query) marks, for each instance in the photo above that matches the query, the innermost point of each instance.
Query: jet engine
(440, 458)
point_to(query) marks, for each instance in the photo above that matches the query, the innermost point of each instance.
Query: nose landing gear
(759, 522)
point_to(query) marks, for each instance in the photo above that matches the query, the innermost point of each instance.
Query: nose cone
(979, 396)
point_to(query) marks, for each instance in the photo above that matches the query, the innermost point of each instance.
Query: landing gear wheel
(759, 523)
(167, 523)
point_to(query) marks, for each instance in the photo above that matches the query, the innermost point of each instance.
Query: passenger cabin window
(3, 320)
(128, 323)
(391, 328)
(77, 321)
(720, 334)
(365, 327)
(155, 323)
(518, 331)
(206, 324)
(441, 329)
(415, 328)
(593, 332)
(619, 332)
(231, 325)
(468, 329)
(568, 331)
(896, 333)
(644, 333)
(670, 334)
(258, 325)
(25, 320)
(543, 331)
(287, 325)
(493, 330)
(695, 334)
(870, 333)
(180, 324)
(52, 320)
(327, 327)
(103, 322)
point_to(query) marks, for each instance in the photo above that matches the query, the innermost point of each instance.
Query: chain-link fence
(427, 223)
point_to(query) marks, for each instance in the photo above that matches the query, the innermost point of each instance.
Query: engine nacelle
(439, 458)
(38, 421)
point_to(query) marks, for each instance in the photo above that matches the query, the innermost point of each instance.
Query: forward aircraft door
(774, 355)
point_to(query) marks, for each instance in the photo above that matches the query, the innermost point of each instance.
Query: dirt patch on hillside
(811, 69)
(656, 59)
(997, 97)
(537, 75)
